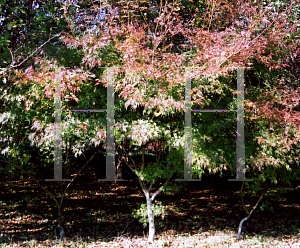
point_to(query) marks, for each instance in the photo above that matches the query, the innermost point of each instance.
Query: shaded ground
(101, 211)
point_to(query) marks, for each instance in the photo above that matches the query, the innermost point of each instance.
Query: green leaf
(9, 26)
(6, 35)
(39, 18)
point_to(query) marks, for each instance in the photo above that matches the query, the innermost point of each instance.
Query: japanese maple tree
(149, 73)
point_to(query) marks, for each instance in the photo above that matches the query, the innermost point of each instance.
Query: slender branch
(143, 186)
(128, 156)
(143, 157)
(159, 152)
(50, 194)
(79, 172)
(160, 189)
(144, 17)
(62, 194)
(154, 35)
(38, 48)
(243, 220)
(129, 165)
(211, 14)
(34, 179)
(12, 56)
(248, 43)
(243, 204)
(150, 186)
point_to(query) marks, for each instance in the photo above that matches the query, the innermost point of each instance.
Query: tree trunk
(60, 225)
(119, 169)
(150, 220)
(242, 221)
(29, 15)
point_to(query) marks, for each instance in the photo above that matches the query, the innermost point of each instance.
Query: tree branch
(248, 43)
(243, 220)
(160, 189)
(12, 56)
(243, 204)
(34, 179)
(38, 48)
(127, 155)
(77, 175)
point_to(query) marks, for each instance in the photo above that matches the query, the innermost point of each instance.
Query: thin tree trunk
(150, 219)
(149, 203)
(119, 169)
(146, 191)
(59, 205)
(60, 226)
(29, 16)
(243, 220)
(60, 214)
(143, 157)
